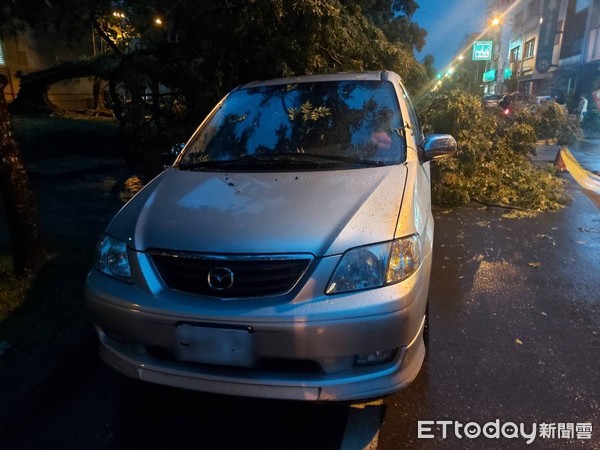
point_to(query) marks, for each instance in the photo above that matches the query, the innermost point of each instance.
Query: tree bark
(21, 213)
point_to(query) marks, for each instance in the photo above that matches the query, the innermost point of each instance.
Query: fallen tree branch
(499, 205)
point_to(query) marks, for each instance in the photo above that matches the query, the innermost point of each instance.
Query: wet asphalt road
(515, 307)
(515, 327)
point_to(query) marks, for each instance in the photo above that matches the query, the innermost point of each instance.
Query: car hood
(321, 212)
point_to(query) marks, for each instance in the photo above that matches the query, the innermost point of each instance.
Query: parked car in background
(545, 99)
(285, 254)
(491, 100)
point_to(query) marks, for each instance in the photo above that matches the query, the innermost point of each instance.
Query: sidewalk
(585, 152)
(545, 153)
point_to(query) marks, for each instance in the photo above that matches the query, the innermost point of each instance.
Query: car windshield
(303, 126)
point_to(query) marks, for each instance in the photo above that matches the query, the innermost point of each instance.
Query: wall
(34, 50)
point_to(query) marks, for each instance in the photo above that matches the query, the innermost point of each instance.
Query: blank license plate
(222, 346)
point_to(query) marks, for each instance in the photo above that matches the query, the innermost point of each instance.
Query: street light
(498, 21)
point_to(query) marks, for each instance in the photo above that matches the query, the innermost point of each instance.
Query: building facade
(534, 48)
(546, 47)
(496, 69)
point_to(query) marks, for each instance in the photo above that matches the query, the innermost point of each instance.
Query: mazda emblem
(220, 278)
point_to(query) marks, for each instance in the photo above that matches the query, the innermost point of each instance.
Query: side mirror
(438, 146)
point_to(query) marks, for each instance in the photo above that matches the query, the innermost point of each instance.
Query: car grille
(231, 276)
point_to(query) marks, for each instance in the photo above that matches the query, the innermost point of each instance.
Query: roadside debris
(131, 187)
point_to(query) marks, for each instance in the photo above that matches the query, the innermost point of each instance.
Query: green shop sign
(482, 50)
(490, 75)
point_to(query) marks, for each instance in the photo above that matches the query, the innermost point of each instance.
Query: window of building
(2, 60)
(595, 18)
(593, 51)
(529, 48)
(514, 53)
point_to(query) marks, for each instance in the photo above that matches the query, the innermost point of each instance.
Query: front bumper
(136, 330)
(352, 384)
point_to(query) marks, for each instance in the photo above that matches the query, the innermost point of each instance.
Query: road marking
(362, 426)
(585, 178)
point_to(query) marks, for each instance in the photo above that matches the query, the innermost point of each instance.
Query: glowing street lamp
(497, 22)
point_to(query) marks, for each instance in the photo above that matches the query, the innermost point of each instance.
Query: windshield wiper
(280, 160)
(345, 159)
(251, 161)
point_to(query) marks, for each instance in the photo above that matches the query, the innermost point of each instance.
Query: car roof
(340, 76)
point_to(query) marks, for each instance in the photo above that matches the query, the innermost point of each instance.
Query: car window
(317, 125)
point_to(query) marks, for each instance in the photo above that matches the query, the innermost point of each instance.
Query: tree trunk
(21, 213)
(33, 90)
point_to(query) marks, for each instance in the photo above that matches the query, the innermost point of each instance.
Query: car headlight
(111, 257)
(376, 265)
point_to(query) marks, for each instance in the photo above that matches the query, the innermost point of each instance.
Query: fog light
(375, 358)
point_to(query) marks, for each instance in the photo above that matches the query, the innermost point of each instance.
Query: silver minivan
(285, 254)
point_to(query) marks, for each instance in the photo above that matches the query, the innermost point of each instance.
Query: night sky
(448, 22)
